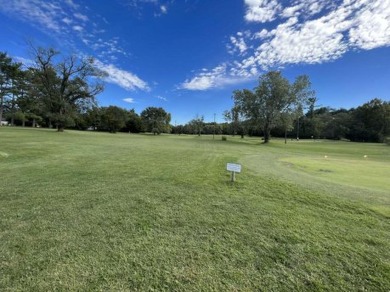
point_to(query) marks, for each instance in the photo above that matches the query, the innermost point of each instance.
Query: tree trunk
(1, 110)
(60, 127)
(33, 123)
(285, 135)
(13, 111)
(267, 134)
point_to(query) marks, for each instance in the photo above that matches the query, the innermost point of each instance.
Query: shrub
(224, 138)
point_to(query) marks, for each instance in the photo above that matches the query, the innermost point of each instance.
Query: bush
(224, 138)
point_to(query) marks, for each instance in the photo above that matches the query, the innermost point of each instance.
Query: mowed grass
(94, 211)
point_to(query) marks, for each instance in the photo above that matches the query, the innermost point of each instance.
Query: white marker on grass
(233, 167)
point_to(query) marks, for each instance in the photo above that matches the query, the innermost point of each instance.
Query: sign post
(233, 168)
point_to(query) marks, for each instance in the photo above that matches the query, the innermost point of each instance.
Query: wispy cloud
(81, 16)
(70, 23)
(214, 78)
(306, 32)
(129, 100)
(237, 44)
(160, 6)
(122, 78)
(261, 10)
(26, 62)
(164, 9)
(161, 98)
(39, 13)
(78, 28)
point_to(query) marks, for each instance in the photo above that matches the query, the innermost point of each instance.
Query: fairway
(92, 211)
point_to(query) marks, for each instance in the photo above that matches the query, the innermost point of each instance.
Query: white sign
(233, 167)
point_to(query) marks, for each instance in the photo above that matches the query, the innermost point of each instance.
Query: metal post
(233, 178)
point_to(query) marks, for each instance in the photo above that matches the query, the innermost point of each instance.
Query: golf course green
(87, 211)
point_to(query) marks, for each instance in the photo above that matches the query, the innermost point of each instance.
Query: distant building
(3, 123)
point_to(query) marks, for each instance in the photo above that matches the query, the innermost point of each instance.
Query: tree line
(289, 109)
(60, 93)
(279, 108)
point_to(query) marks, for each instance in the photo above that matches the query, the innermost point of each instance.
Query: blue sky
(187, 56)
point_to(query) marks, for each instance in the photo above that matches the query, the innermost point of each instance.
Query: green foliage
(235, 118)
(197, 125)
(273, 98)
(156, 120)
(133, 123)
(9, 76)
(371, 121)
(113, 118)
(64, 86)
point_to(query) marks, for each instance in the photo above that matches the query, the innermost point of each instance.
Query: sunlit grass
(96, 211)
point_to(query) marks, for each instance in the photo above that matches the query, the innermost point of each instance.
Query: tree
(371, 121)
(286, 120)
(63, 85)
(134, 122)
(113, 118)
(234, 116)
(9, 72)
(156, 120)
(197, 124)
(273, 97)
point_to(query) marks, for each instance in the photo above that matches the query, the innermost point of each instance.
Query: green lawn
(94, 211)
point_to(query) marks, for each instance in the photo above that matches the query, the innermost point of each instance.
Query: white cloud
(67, 20)
(372, 29)
(161, 6)
(37, 12)
(292, 11)
(71, 4)
(81, 16)
(60, 19)
(307, 32)
(261, 10)
(161, 97)
(122, 78)
(26, 62)
(78, 28)
(129, 100)
(215, 78)
(239, 43)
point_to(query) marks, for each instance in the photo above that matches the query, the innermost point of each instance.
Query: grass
(95, 211)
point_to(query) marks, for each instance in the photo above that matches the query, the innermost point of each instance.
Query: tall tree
(134, 122)
(234, 117)
(113, 118)
(156, 120)
(63, 85)
(273, 97)
(371, 121)
(198, 123)
(9, 72)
